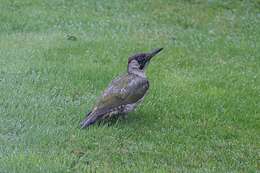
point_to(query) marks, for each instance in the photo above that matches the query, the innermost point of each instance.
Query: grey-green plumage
(125, 92)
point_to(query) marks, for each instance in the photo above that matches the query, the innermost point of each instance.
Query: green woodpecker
(125, 92)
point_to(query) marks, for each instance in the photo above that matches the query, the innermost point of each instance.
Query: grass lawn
(202, 113)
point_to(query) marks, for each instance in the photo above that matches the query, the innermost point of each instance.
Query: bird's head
(141, 60)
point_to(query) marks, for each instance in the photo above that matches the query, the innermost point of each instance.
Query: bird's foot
(124, 116)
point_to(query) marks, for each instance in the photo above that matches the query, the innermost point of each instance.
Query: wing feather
(124, 90)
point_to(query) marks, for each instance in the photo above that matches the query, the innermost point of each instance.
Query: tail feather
(90, 119)
(93, 116)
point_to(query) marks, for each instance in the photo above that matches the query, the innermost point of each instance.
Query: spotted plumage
(125, 92)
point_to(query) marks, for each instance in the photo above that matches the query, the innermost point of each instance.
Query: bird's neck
(138, 73)
(133, 68)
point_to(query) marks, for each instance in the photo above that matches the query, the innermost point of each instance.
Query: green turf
(202, 113)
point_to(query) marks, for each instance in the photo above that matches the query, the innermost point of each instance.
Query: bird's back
(126, 89)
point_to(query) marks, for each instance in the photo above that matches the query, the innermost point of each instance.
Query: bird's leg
(124, 116)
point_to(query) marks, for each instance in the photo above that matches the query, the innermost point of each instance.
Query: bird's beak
(153, 53)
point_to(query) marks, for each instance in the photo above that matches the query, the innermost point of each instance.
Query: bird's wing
(124, 90)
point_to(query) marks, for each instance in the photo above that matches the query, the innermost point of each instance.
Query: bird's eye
(141, 58)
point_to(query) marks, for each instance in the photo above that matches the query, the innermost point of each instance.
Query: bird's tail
(90, 119)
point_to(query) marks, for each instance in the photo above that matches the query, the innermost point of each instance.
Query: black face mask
(142, 61)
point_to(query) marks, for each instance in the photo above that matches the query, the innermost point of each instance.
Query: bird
(125, 92)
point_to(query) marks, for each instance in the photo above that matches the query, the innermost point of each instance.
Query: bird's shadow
(113, 121)
(120, 120)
